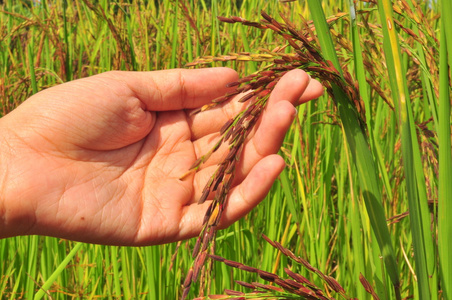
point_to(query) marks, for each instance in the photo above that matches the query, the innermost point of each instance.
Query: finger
(291, 87)
(268, 137)
(241, 200)
(277, 118)
(252, 190)
(212, 120)
(295, 86)
(176, 88)
(314, 90)
(267, 140)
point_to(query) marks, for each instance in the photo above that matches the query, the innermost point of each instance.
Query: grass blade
(48, 283)
(445, 159)
(175, 39)
(34, 84)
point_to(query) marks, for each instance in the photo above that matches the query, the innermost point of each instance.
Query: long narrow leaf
(359, 150)
(445, 165)
(412, 163)
(57, 272)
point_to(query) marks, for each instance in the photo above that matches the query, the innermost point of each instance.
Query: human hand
(99, 159)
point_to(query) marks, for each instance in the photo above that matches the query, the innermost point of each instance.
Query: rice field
(366, 189)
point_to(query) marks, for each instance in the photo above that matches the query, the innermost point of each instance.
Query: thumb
(115, 109)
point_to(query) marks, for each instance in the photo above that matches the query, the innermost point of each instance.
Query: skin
(99, 159)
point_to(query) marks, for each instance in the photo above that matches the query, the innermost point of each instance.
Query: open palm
(100, 159)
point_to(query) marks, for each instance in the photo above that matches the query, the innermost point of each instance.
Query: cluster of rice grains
(256, 89)
(291, 288)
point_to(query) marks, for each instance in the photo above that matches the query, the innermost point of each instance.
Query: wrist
(13, 219)
(5, 151)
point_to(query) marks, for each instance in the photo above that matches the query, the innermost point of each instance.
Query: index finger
(177, 88)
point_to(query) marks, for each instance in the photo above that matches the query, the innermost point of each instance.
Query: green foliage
(351, 190)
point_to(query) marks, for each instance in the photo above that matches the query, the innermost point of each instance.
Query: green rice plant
(345, 168)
